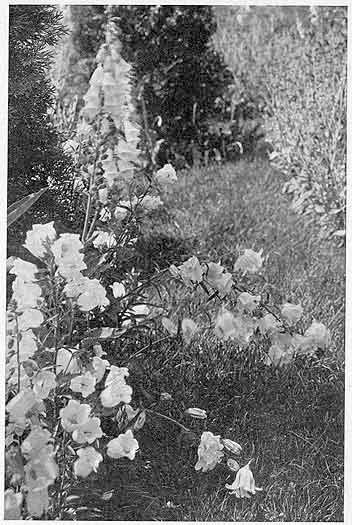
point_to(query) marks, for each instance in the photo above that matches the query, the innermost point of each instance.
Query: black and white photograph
(175, 262)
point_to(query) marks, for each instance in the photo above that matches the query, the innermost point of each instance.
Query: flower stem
(168, 419)
(18, 359)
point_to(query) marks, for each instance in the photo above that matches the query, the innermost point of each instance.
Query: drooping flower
(189, 328)
(21, 404)
(43, 382)
(166, 175)
(67, 254)
(138, 311)
(239, 328)
(87, 462)
(232, 446)
(84, 384)
(244, 484)
(30, 367)
(39, 237)
(209, 452)
(191, 271)
(104, 239)
(103, 195)
(37, 501)
(197, 413)
(282, 350)
(150, 203)
(88, 432)
(75, 285)
(98, 349)
(27, 295)
(121, 210)
(218, 278)
(118, 290)
(94, 295)
(117, 373)
(116, 392)
(37, 439)
(27, 345)
(250, 261)
(269, 324)
(291, 313)
(318, 334)
(12, 505)
(165, 396)
(74, 414)
(125, 445)
(175, 272)
(99, 367)
(13, 377)
(41, 470)
(248, 302)
(24, 270)
(169, 326)
(31, 318)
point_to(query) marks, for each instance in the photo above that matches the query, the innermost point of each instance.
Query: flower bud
(197, 413)
(232, 446)
(165, 396)
(233, 465)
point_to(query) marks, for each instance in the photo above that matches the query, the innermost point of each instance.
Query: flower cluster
(211, 452)
(251, 316)
(46, 302)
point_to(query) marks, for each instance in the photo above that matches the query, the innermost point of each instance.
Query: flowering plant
(59, 385)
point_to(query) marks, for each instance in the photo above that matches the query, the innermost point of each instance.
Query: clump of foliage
(294, 58)
(35, 156)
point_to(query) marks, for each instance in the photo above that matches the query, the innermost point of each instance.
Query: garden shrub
(294, 59)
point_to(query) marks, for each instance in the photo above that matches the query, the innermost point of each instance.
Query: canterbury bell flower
(291, 313)
(39, 238)
(209, 452)
(318, 334)
(250, 261)
(125, 445)
(244, 484)
(191, 271)
(166, 175)
(87, 462)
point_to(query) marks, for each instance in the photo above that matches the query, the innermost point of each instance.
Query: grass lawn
(290, 421)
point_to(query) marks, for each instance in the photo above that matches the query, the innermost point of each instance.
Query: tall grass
(295, 59)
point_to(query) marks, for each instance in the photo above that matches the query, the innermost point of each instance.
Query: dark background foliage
(175, 65)
(34, 149)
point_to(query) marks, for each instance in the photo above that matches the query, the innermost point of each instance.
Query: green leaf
(17, 209)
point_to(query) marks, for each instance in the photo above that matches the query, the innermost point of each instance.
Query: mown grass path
(289, 420)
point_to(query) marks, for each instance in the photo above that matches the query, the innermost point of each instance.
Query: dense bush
(294, 58)
(35, 157)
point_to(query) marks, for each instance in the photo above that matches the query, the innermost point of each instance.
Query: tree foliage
(34, 151)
